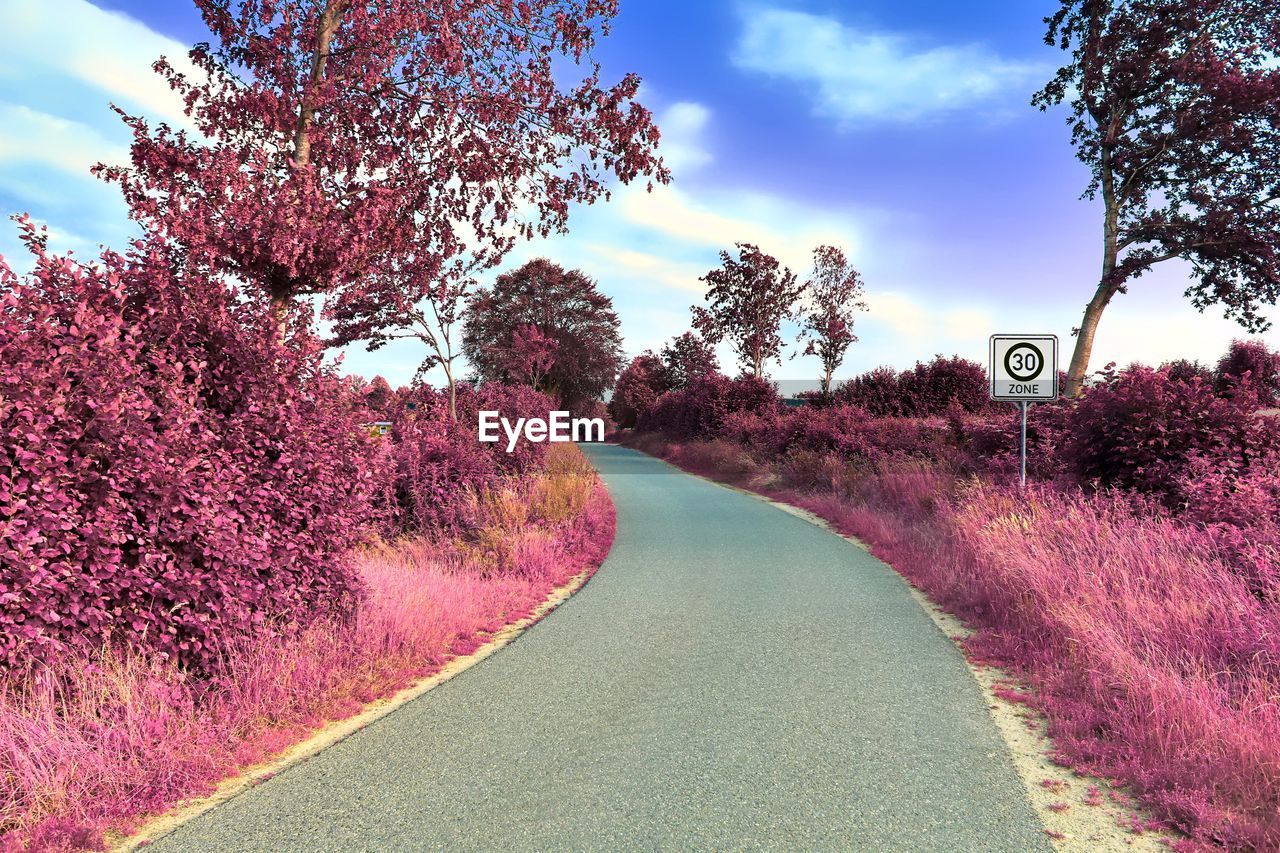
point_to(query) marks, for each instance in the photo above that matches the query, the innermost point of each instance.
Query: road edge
(1021, 728)
(165, 824)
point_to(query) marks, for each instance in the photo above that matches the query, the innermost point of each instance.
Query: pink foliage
(930, 389)
(435, 464)
(172, 476)
(1239, 509)
(639, 386)
(95, 742)
(699, 409)
(1139, 429)
(359, 146)
(1252, 368)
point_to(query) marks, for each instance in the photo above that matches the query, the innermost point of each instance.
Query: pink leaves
(142, 429)
(747, 301)
(348, 141)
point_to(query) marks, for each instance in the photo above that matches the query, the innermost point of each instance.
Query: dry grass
(97, 743)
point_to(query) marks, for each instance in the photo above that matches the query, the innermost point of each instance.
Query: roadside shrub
(1182, 370)
(171, 477)
(435, 468)
(1239, 509)
(641, 383)
(1138, 429)
(699, 409)
(438, 465)
(989, 443)
(930, 389)
(98, 741)
(511, 402)
(934, 388)
(878, 391)
(1250, 367)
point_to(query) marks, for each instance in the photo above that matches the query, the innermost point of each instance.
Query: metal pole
(1024, 444)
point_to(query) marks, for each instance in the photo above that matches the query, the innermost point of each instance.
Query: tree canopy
(571, 318)
(1175, 107)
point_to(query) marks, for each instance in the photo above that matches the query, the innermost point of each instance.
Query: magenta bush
(878, 391)
(930, 389)
(1252, 368)
(1139, 429)
(699, 409)
(989, 443)
(511, 402)
(173, 477)
(435, 463)
(639, 385)
(1182, 370)
(1238, 507)
(934, 388)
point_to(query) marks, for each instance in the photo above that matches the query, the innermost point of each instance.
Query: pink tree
(835, 294)
(747, 301)
(348, 146)
(1175, 107)
(566, 307)
(686, 358)
(531, 355)
(639, 385)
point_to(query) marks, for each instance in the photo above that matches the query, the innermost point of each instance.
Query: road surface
(733, 678)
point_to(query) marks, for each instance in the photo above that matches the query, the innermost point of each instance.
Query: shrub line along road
(733, 677)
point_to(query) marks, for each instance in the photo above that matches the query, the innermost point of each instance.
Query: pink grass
(1152, 659)
(95, 745)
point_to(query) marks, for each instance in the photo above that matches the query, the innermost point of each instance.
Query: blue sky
(898, 129)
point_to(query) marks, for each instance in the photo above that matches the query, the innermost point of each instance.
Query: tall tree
(687, 357)
(566, 307)
(340, 141)
(834, 294)
(1175, 106)
(747, 301)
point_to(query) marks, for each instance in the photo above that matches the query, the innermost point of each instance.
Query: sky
(899, 130)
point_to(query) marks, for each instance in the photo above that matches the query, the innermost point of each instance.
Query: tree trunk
(281, 299)
(453, 390)
(1107, 286)
(283, 291)
(325, 28)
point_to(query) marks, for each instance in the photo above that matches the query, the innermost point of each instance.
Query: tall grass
(95, 743)
(1153, 659)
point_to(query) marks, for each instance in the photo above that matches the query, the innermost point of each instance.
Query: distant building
(378, 428)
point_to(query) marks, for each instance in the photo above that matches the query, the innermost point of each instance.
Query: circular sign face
(1024, 362)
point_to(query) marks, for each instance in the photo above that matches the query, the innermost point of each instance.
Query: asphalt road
(732, 678)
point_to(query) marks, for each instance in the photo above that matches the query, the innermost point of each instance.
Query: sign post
(1024, 370)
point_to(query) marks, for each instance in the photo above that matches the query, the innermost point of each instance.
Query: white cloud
(101, 50)
(719, 219)
(682, 125)
(650, 267)
(861, 76)
(899, 312)
(34, 137)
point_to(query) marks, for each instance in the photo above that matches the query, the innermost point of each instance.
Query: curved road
(734, 677)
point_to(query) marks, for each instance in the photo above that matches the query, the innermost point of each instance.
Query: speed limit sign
(1024, 368)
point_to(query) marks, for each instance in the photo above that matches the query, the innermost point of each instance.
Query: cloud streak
(859, 76)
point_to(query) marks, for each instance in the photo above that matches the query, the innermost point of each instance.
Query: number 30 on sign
(1024, 368)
